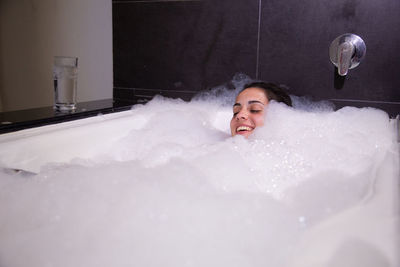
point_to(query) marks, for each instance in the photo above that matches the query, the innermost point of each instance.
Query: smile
(243, 129)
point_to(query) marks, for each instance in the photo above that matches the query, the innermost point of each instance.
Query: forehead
(252, 93)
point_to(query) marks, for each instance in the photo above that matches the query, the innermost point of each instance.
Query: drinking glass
(65, 76)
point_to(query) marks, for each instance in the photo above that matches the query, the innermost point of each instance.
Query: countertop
(28, 118)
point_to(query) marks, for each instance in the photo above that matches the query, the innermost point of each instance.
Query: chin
(244, 134)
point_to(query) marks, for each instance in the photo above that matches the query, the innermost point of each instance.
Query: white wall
(33, 31)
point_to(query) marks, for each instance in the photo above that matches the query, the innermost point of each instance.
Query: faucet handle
(346, 52)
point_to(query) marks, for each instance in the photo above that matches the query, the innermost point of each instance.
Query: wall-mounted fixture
(346, 52)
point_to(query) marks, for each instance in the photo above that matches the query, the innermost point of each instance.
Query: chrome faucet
(346, 52)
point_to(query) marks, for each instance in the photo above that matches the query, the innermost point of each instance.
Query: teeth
(243, 128)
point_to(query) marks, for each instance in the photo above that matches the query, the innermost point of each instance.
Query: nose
(243, 114)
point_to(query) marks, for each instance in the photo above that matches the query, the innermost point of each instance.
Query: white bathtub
(363, 234)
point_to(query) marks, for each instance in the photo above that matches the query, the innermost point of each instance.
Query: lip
(246, 131)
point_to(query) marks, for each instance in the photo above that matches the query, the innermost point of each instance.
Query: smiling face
(248, 111)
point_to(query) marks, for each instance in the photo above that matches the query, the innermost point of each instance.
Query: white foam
(165, 185)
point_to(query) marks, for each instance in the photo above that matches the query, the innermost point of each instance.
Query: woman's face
(248, 111)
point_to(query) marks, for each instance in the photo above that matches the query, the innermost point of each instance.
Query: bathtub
(109, 225)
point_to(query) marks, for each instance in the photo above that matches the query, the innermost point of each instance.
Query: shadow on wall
(338, 81)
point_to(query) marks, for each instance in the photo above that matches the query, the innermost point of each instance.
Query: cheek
(232, 122)
(259, 120)
(233, 132)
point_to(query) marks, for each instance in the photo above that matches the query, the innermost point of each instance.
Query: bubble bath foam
(165, 184)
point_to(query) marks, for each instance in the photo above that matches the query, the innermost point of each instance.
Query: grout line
(155, 90)
(153, 1)
(365, 101)
(144, 96)
(258, 38)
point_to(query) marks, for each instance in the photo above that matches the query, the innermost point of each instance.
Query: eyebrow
(250, 102)
(255, 101)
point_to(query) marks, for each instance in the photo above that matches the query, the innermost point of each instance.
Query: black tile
(184, 95)
(132, 94)
(123, 93)
(183, 45)
(150, 1)
(392, 108)
(295, 39)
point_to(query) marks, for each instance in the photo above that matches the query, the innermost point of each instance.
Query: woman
(248, 110)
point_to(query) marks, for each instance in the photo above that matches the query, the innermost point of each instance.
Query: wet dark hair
(272, 91)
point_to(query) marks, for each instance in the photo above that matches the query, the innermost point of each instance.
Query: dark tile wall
(302, 41)
(182, 45)
(177, 48)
